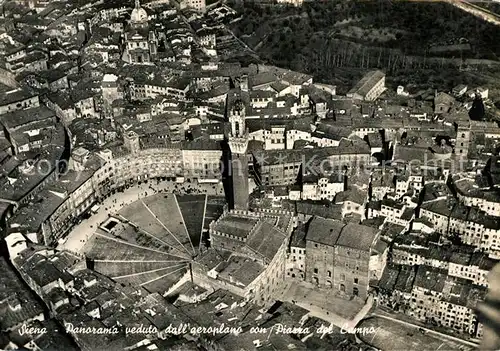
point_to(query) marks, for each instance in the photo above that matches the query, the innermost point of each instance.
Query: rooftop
(238, 226)
(266, 240)
(298, 238)
(240, 270)
(324, 231)
(357, 236)
(15, 96)
(33, 216)
(316, 208)
(406, 279)
(13, 293)
(367, 83)
(389, 277)
(353, 194)
(442, 207)
(336, 233)
(430, 278)
(19, 118)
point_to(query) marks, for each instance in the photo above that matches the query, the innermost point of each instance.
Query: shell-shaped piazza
(151, 242)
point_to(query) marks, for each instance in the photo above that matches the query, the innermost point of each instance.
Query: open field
(138, 215)
(192, 209)
(138, 236)
(338, 41)
(166, 210)
(323, 303)
(390, 335)
(118, 269)
(147, 277)
(144, 250)
(100, 247)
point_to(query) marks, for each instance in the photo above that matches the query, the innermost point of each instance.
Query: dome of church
(139, 15)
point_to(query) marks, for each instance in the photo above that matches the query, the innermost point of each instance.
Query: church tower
(238, 143)
(139, 16)
(131, 142)
(463, 139)
(140, 43)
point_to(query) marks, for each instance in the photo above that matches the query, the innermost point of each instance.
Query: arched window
(237, 128)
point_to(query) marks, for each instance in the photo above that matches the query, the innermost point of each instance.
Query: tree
(477, 111)
(248, 28)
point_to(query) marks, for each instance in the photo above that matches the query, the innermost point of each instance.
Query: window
(329, 274)
(315, 270)
(355, 280)
(355, 291)
(237, 128)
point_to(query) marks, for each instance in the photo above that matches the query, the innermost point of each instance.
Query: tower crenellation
(237, 119)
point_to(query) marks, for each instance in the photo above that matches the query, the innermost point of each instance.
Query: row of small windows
(342, 276)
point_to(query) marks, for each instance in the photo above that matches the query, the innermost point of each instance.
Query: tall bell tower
(238, 143)
(462, 140)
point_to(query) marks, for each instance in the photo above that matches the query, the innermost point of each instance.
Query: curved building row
(52, 212)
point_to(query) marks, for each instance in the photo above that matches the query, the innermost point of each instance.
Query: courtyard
(324, 303)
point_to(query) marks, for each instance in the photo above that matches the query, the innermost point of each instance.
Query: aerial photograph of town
(232, 175)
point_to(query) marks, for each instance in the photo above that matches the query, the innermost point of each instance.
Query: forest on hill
(416, 43)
